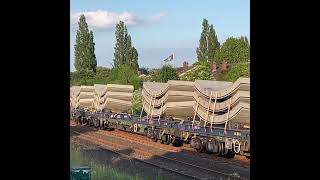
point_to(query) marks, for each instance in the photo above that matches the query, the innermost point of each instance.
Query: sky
(158, 28)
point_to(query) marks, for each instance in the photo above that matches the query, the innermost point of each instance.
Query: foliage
(89, 78)
(137, 102)
(124, 52)
(237, 71)
(200, 71)
(234, 50)
(124, 74)
(208, 43)
(167, 72)
(85, 59)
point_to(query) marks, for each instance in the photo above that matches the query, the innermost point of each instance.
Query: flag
(170, 58)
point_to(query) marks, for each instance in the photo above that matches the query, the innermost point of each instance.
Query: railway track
(142, 140)
(191, 171)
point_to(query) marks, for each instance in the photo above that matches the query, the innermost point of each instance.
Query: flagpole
(173, 59)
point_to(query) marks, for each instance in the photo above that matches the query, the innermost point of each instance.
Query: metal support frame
(225, 125)
(144, 101)
(195, 112)
(160, 111)
(150, 106)
(208, 108)
(154, 101)
(214, 108)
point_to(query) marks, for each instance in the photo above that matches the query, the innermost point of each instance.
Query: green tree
(135, 63)
(237, 71)
(124, 74)
(85, 59)
(166, 73)
(137, 102)
(234, 50)
(124, 52)
(213, 44)
(208, 43)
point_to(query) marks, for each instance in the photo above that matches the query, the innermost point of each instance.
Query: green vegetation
(137, 102)
(125, 74)
(100, 171)
(167, 72)
(201, 71)
(234, 50)
(208, 43)
(85, 59)
(78, 78)
(238, 70)
(124, 52)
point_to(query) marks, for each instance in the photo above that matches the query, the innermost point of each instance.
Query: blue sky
(158, 27)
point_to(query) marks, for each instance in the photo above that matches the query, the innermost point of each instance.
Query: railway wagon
(211, 116)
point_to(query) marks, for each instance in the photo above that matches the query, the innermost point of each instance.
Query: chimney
(185, 65)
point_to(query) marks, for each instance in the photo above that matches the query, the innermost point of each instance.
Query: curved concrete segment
(114, 97)
(219, 101)
(185, 110)
(177, 96)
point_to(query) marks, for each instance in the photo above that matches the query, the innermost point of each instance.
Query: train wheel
(230, 153)
(102, 126)
(149, 133)
(221, 149)
(154, 138)
(163, 139)
(167, 142)
(175, 142)
(198, 145)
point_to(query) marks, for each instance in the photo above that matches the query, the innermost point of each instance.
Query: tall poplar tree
(85, 58)
(208, 43)
(124, 52)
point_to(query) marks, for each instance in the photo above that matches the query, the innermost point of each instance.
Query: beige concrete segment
(183, 99)
(118, 95)
(242, 84)
(100, 89)
(185, 110)
(114, 97)
(119, 88)
(87, 89)
(175, 96)
(116, 105)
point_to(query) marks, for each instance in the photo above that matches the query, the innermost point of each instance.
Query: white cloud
(101, 20)
(156, 17)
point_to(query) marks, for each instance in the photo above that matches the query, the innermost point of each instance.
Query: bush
(167, 72)
(234, 50)
(125, 75)
(198, 72)
(137, 103)
(237, 71)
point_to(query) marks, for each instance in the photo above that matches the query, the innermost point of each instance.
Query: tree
(166, 73)
(135, 63)
(85, 58)
(208, 43)
(213, 43)
(234, 50)
(237, 71)
(124, 52)
(124, 74)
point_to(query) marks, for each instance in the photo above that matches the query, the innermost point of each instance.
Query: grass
(100, 171)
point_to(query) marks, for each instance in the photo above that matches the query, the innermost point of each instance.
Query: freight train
(220, 111)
